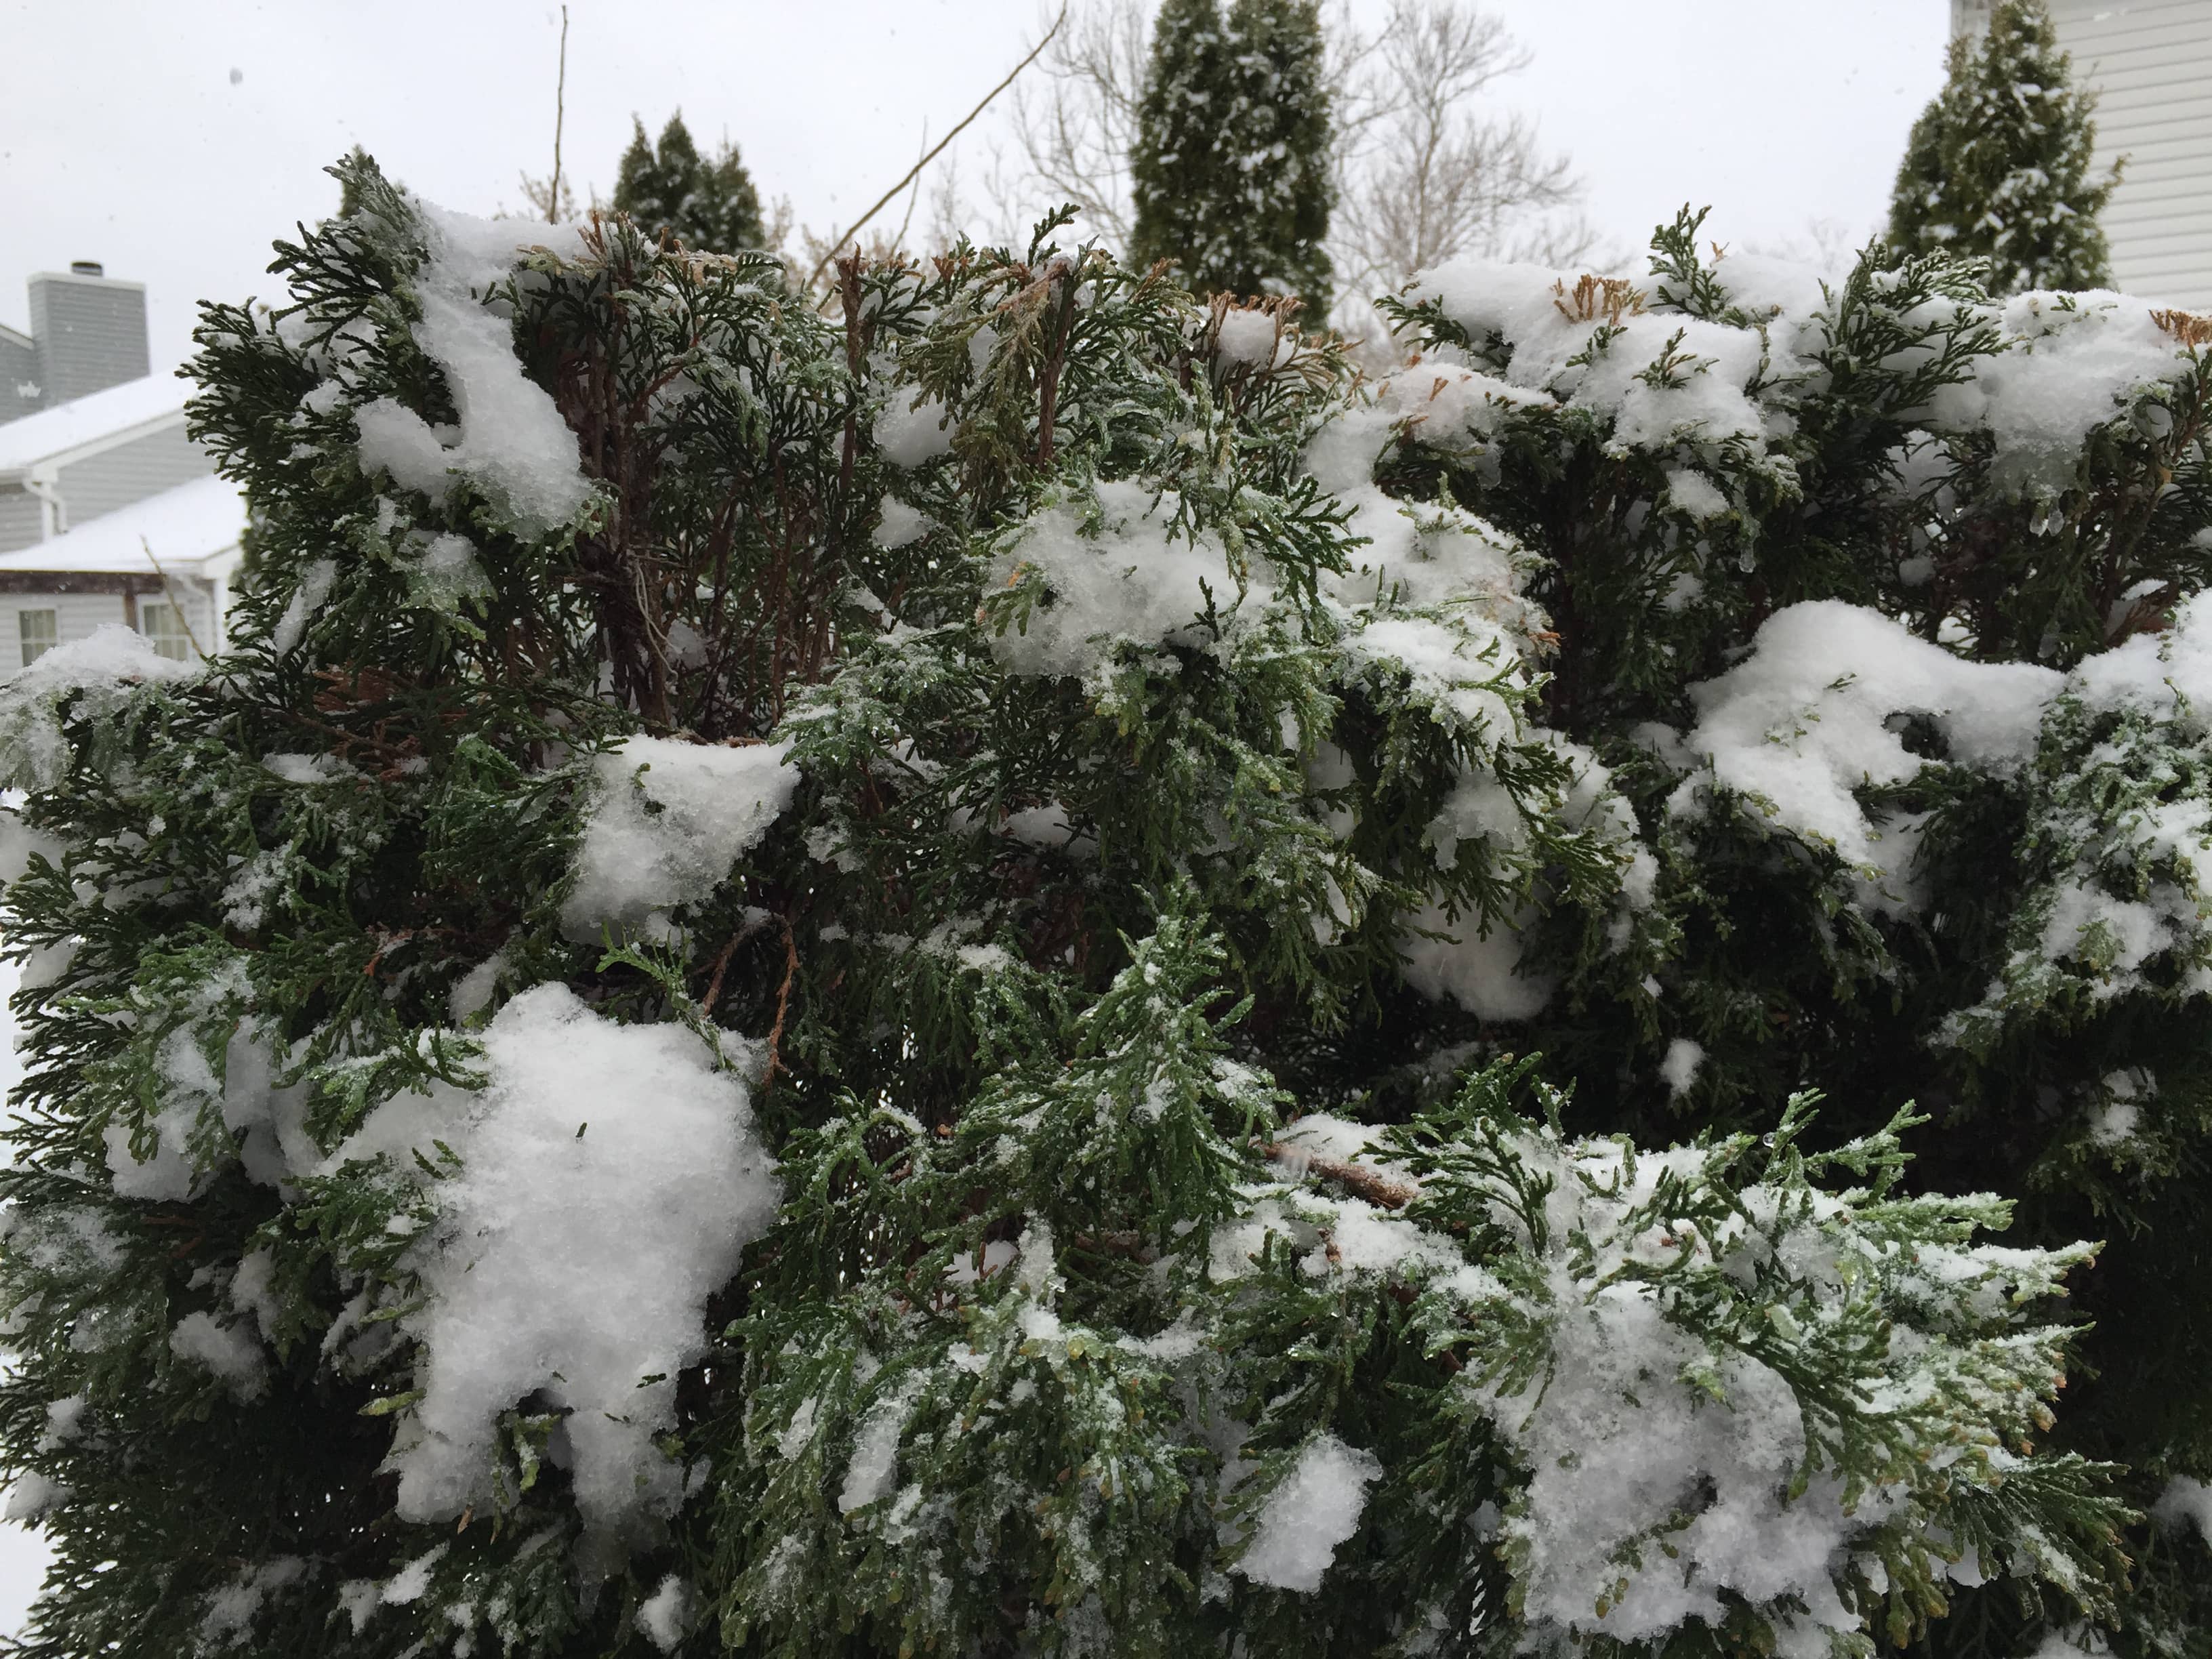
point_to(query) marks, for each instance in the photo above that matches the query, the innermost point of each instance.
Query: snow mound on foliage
(264, 1125)
(2186, 1501)
(1660, 378)
(1477, 965)
(664, 1614)
(1478, 968)
(225, 1348)
(913, 431)
(1617, 1442)
(1114, 569)
(669, 820)
(610, 1178)
(511, 442)
(1313, 1510)
(2157, 674)
(94, 676)
(2073, 362)
(1820, 709)
(2069, 362)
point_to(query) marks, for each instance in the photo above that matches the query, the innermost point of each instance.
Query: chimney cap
(86, 268)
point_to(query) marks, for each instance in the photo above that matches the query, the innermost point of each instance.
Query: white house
(2150, 62)
(163, 565)
(108, 512)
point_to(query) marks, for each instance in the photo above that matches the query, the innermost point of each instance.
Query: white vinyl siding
(22, 519)
(2151, 62)
(131, 472)
(76, 615)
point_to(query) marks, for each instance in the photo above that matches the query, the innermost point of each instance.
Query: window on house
(38, 634)
(163, 625)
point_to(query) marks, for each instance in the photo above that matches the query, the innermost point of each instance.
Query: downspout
(43, 484)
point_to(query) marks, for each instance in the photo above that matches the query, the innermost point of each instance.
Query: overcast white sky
(127, 140)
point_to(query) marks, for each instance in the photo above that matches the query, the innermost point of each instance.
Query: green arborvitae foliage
(1009, 969)
(710, 206)
(1999, 166)
(1233, 182)
(1180, 182)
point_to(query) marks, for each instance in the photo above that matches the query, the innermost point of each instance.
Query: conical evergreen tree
(1999, 166)
(993, 976)
(711, 206)
(1177, 174)
(1279, 114)
(1231, 169)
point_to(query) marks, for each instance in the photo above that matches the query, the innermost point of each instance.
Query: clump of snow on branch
(609, 1179)
(1311, 1511)
(1425, 558)
(1111, 569)
(511, 443)
(1660, 378)
(1473, 961)
(666, 1613)
(2066, 365)
(225, 1347)
(2186, 1501)
(232, 1611)
(92, 678)
(2073, 362)
(2166, 675)
(2125, 822)
(1254, 336)
(1476, 960)
(1818, 711)
(913, 431)
(669, 820)
(1668, 1460)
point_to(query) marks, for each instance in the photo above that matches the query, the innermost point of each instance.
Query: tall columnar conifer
(1000, 973)
(2000, 166)
(1232, 169)
(710, 206)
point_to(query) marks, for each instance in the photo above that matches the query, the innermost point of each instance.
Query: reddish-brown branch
(1362, 1183)
(1048, 401)
(782, 1005)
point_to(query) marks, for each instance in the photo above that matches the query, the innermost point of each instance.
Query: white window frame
(174, 640)
(37, 642)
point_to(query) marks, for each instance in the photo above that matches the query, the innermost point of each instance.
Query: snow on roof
(51, 432)
(184, 527)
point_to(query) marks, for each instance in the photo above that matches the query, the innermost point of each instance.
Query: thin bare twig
(560, 117)
(745, 931)
(175, 603)
(900, 239)
(782, 1005)
(915, 172)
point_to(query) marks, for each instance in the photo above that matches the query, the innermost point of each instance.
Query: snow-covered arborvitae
(705, 205)
(1231, 169)
(992, 965)
(2000, 166)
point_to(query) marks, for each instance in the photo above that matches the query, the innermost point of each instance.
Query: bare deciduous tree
(1426, 170)
(1072, 132)
(1428, 174)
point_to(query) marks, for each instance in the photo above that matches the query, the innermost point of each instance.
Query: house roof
(82, 422)
(188, 528)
